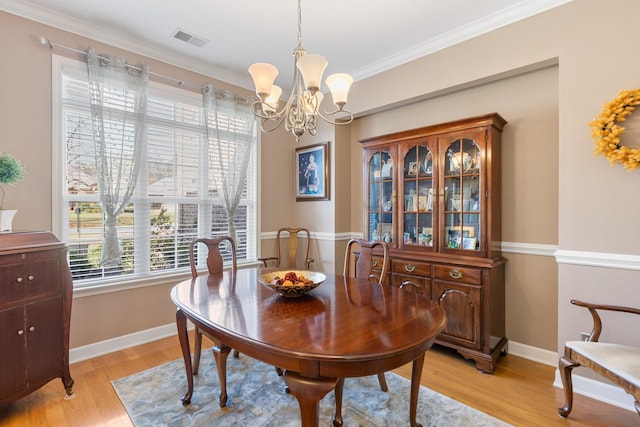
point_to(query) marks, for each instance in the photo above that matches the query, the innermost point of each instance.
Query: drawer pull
(374, 264)
(32, 328)
(455, 274)
(19, 280)
(409, 268)
(30, 278)
(20, 332)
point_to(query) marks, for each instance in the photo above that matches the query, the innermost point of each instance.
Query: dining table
(345, 327)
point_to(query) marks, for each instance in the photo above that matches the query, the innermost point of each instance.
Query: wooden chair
(364, 266)
(618, 363)
(293, 244)
(215, 265)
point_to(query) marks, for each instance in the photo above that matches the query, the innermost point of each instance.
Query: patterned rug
(257, 398)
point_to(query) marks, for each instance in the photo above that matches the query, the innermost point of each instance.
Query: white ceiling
(360, 37)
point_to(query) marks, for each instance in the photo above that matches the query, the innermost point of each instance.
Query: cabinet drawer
(458, 274)
(403, 266)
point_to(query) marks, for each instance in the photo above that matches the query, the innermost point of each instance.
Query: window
(175, 199)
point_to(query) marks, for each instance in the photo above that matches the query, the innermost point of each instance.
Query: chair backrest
(364, 265)
(294, 243)
(215, 261)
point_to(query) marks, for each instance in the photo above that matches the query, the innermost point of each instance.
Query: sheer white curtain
(231, 132)
(118, 95)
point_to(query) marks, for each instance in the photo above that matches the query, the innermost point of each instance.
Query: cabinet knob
(32, 328)
(19, 280)
(20, 332)
(409, 268)
(30, 278)
(455, 274)
(374, 264)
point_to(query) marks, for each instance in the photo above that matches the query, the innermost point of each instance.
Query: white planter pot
(6, 219)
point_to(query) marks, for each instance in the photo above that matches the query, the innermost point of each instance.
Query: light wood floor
(520, 392)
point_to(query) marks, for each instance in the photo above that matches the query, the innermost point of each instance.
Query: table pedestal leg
(416, 374)
(181, 322)
(309, 392)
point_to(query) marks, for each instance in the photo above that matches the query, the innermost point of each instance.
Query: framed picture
(456, 234)
(312, 172)
(413, 168)
(469, 243)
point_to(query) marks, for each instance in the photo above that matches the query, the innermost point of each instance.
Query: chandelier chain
(299, 24)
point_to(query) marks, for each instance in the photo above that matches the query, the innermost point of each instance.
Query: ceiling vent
(189, 38)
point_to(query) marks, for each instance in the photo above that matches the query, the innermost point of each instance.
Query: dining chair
(366, 265)
(215, 265)
(616, 362)
(297, 239)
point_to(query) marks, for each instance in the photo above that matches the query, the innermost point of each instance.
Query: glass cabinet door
(462, 198)
(418, 197)
(381, 197)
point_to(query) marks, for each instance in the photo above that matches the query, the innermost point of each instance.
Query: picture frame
(469, 243)
(312, 172)
(413, 169)
(455, 236)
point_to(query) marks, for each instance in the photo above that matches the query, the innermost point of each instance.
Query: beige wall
(579, 55)
(529, 182)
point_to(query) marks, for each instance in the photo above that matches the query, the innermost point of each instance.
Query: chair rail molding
(598, 259)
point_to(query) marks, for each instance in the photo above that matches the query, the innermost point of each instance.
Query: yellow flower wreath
(606, 132)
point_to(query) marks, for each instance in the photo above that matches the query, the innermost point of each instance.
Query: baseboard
(598, 390)
(536, 354)
(89, 351)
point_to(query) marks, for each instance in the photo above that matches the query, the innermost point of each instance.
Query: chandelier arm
(327, 113)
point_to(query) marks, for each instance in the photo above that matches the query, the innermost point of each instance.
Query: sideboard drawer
(415, 268)
(459, 274)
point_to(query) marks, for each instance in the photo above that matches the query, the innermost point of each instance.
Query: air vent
(189, 38)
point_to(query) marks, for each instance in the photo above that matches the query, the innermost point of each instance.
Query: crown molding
(517, 12)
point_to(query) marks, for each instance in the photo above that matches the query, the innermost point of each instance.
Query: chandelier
(302, 109)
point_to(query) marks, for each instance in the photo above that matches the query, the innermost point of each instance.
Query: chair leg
(337, 418)
(220, 353)
(383, 382)
(197, 349)
(565, 366)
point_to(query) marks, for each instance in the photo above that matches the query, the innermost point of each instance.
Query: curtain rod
(51, 44)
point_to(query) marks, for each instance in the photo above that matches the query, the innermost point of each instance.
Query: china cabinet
(433, 194)
(35, 308)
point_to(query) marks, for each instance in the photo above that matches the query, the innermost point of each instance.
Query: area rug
(257, 398)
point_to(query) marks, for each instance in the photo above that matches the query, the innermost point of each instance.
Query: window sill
(105, 288)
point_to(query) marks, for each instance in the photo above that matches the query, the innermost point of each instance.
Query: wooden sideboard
(35, 309)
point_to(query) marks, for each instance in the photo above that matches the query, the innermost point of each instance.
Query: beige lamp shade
(271, 103)
(263, 76)
(339, 85)
(311, 67)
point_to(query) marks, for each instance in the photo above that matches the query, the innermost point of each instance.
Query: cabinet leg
(68, 382)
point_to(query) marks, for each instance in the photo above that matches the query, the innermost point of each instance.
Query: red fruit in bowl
(292, 276)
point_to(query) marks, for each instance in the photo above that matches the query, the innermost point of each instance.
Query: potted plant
(11, 173)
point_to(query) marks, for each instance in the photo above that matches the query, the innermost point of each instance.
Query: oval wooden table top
(345, 327)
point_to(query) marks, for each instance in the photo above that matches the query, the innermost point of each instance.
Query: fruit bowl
(278, 281)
